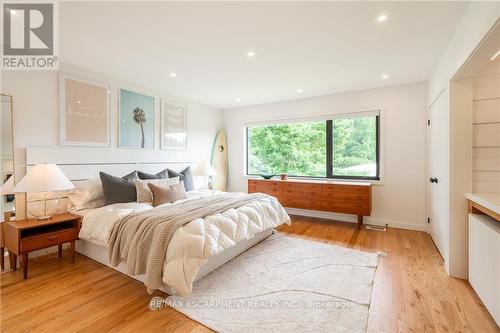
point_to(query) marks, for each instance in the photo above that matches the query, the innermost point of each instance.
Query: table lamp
(44, 178)
(205, 169)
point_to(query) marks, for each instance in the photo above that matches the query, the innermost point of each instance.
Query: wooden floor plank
(411, 290)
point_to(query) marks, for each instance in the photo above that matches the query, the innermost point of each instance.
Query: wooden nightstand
(22, 237)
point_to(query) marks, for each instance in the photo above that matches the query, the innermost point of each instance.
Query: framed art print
(173, 126)
(137, 120)
(84, 112)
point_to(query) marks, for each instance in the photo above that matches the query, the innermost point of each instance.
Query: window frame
(329, 144)
(330, 153)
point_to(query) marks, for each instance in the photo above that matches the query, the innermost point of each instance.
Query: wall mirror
(7, 206)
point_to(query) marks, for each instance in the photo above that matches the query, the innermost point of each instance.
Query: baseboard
(353, 219)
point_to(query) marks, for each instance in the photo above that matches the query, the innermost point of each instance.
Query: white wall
(475, 24)
(400, 200)
(35, 96)
(35, 110)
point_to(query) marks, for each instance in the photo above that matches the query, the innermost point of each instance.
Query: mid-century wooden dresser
(337, 197)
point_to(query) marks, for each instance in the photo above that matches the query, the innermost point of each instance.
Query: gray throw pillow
(160, 175)
(184, 176)
(131, 176)
(117, 189)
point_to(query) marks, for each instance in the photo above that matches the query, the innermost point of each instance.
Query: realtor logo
(28, 36)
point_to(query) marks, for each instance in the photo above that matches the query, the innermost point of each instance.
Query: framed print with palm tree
(173, 126)
(137, 120)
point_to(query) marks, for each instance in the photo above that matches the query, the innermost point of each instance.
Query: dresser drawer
(295, 202)
(43, 241)
(359, 208)
(299, 187)
(345, 188)
(345, 196)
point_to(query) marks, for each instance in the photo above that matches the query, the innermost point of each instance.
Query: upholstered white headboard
(86, 162)
(80, 163)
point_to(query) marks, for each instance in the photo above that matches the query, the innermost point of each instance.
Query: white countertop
(488, 200)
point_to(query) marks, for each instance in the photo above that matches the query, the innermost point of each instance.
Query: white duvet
(192, 244)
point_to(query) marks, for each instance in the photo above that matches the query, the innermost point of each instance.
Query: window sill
(353, 181)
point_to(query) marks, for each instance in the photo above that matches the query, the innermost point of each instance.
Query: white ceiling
(319, 47)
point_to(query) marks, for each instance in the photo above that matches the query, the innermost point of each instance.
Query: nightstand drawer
(43, 241)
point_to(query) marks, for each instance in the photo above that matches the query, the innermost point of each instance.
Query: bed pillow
(131, 176)
(87, 194)
(167, 194)
(144, 194)
(117, 189)
(160, 175)
(185, 176)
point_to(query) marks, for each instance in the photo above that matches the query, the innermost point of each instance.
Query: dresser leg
(25, 265)
(360, 221)
(59, 250)
(13, 261)
(72, 247)
(2, 259)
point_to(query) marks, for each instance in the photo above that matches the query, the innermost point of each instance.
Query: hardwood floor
(411, 291)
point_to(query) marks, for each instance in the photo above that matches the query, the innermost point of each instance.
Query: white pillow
(86, 194)
(144, 194)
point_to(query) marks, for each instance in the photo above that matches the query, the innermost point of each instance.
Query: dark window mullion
(329, 149)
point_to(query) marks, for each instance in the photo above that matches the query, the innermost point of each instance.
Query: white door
(438, 143)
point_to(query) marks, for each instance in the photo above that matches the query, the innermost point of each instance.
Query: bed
(196, 248)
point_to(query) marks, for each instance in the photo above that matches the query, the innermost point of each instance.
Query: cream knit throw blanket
(141, 239)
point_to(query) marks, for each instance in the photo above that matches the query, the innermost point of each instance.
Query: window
(344, 148)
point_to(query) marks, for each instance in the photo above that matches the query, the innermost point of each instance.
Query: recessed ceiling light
(299, 91)
(382, 18)
(251, 54)
(78, 102)
(385, 76)
(495, 55)
(173, 74)
(238, 100)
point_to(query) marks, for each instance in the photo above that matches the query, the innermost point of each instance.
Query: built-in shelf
(485, 99)
(487, 123)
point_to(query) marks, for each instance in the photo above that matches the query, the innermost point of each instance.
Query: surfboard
(219, 161)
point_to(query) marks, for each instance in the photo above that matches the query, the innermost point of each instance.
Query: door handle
(433, 180)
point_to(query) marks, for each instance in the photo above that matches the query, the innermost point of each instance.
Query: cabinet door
(481, 260)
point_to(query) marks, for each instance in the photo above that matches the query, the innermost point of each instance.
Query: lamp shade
(7, 187)
(204, 169)
(44, 178)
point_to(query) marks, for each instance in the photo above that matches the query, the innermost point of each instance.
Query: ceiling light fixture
(251, 54)
(173, 74)
(238, 100)
(385, 76)
(299, 91)
(495, 55)
(382, 18)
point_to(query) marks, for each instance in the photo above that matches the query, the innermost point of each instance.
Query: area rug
(285, 284)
